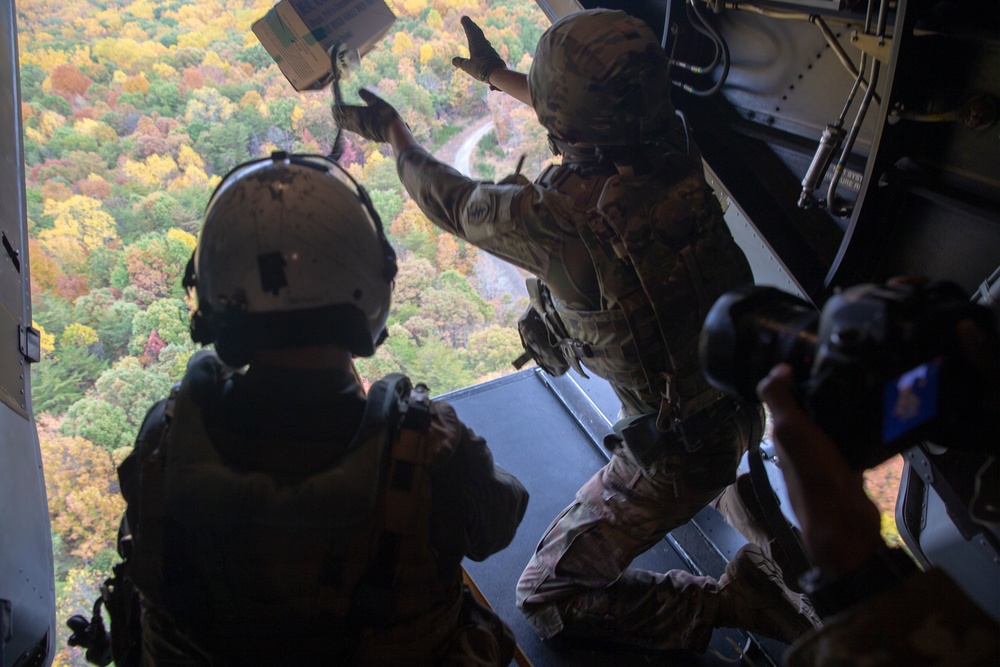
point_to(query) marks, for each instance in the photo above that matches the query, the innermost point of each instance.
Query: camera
(880, 368)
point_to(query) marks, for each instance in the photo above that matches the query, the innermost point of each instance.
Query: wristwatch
(834, 592)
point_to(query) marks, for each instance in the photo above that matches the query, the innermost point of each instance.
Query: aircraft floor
(534, 436)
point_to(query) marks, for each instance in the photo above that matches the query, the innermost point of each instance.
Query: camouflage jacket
(926, 621)
(633, 263)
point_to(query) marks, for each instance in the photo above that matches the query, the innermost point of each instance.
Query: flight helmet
(600, 77)
(292, 253)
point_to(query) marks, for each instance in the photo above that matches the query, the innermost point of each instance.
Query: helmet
(600, 77)
(292, 253)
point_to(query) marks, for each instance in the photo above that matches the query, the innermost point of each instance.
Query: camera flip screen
(910, 400)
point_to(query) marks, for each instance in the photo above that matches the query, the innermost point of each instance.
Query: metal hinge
(30, 342)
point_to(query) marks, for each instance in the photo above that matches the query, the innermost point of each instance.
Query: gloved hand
(371, 122)
(483, 59)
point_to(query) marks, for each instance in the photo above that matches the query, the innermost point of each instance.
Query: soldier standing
(631, 251)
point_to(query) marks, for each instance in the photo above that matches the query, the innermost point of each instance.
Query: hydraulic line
(721, 42)
(832, 137)
(842, 56)
(865, 102)
(699, 26)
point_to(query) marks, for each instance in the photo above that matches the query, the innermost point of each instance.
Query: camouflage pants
(579, 583)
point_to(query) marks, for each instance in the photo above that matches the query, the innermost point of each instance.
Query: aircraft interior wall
(27, 596)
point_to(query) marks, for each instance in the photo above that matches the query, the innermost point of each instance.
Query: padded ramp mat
(533, 436)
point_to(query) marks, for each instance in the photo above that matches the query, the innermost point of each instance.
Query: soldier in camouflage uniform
(631, 250)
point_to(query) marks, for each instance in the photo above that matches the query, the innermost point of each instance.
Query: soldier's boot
(741, 509)
(752, 596)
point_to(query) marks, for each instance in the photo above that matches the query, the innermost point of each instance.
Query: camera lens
(749, 330)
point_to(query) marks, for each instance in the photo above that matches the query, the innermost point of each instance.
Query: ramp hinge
(30, 343)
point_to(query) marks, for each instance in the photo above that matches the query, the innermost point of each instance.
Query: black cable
(697, 25)
(721, 42)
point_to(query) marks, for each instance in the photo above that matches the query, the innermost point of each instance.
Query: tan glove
(483, 59)
(371, 122)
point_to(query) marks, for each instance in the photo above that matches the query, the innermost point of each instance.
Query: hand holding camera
(840, 524)
(880, 368)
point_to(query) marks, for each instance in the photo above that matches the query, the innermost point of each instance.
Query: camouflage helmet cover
(601, 77)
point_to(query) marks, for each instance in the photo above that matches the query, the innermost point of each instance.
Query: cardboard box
(298, 33)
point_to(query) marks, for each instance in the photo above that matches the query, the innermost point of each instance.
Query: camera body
(880, 368)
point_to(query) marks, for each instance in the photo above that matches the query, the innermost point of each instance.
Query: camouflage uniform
(631, 245)
(926, 620)
(578, 579)
(243, 558)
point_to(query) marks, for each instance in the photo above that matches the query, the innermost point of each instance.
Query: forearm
(400, 137)
(439, 190)
(513, 83)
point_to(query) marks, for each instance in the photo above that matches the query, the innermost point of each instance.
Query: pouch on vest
(646, 443)
(536, 326)
(537, 346)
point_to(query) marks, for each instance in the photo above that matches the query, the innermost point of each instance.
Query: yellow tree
(212, 59)
(97, 130)
(136, 84)
(122, 53)
(78, 335)
(426, 53)
(434, 20)
(81, 218)
(47, 59)
(47, 340)
(189, 240)
(153, 172)
(414, 7)
(48, 122)
(401, 43)
(82, 486)
(141, 9)
(447, 252)
(188, 157)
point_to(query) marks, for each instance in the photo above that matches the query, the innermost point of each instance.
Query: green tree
(155, 263)
(491, 350)
(134, 389)
(100, 422)
(165, 97)
(110, 317)
(224, 145)
(100, 262)
(441, 367)
(172, 360)
(167, 317)
(388, 203)
(77, 362)
(65, 140)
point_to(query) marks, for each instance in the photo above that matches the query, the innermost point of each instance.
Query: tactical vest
(262, 594)
(662, 254)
